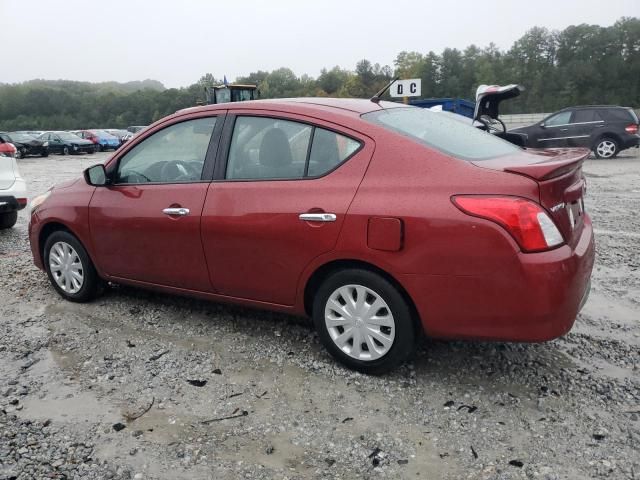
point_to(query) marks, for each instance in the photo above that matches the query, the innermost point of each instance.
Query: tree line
(582, 64)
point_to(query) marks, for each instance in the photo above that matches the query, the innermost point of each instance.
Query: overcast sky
(176, 42)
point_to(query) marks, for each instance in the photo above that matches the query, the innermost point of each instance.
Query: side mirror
(542, 124)
(96, 176)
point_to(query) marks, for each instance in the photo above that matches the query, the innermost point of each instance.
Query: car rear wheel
(44, 154)
(364, 321)
(69, 268)
(8, 220)
(606, 148)
(65, 151)
(21, 153)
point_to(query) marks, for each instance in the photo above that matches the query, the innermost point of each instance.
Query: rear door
(586, 125)
(279, 200)
(145, 226)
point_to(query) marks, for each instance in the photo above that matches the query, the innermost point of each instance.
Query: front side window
(442, 132)
(270, 148)
(173, 155)
(559, 119)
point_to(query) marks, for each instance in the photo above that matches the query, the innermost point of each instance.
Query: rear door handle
(318, 217)
(180, 211)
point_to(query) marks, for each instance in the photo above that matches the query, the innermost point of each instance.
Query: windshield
(102, 134)
(442, 132)
(68, 136)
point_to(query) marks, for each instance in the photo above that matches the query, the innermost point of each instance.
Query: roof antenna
(376, 97)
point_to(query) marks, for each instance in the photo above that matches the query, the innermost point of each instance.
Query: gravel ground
(142, 385)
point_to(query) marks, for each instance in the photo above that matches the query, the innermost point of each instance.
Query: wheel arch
(323, 271)
(602, 135)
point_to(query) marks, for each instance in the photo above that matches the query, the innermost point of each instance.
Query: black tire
(91, 285)
(606, 147)
(44, 154)
(99, 147)
(65, 151)
(404, 341)
(8, 220)
(21, 153)
(92, 151)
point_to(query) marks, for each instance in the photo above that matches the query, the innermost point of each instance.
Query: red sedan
(378, 220)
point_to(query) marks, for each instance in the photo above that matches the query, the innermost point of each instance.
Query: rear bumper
(11, 204)
(631, 141)
(535, 299)
(15, 198)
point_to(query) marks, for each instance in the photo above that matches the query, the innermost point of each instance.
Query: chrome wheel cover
(360, 322)
(66, 267)
(606, 148)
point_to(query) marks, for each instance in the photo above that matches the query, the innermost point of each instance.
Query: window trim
(208, 165)
(222, 160)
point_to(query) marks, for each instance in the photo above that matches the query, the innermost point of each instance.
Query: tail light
(526, 221)
(633, 128)
(22, 202)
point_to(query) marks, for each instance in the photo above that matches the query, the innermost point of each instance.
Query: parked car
(122, 135)
(13, 189)
(66, 143)
(604, 129)
(378, 220)
(33, 133)
(136, 128)
(26, 144)
(101, 139)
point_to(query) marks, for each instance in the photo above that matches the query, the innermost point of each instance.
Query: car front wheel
(364, 321)
(606, 148)
(69, 268)
(8, 220)
(65, 151)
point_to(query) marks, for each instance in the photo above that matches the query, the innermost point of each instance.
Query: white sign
(406, 88)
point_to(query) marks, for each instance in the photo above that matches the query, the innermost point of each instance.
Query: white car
(13, 189)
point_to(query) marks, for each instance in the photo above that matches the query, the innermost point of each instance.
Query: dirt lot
(224, 392)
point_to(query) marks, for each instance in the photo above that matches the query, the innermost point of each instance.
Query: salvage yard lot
(142, 385)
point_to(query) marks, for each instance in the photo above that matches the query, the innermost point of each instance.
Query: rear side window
(264, 148)
(619, 115)
(448, 135)
(584, 116)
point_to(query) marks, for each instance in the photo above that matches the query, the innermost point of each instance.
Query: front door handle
(318, 217)
(180, 211)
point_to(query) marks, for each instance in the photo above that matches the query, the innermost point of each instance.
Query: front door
(554, 131)
(145, 226)
(279, 203)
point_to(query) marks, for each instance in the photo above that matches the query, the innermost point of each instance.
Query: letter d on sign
(407, 88)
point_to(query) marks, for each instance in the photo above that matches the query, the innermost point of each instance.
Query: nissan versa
(380, 221)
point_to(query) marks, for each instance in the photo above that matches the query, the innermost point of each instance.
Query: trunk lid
(561, 183)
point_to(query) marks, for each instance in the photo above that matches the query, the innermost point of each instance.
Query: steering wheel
(177, 171)
(492, 125)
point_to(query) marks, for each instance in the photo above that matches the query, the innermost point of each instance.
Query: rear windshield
(455, 137)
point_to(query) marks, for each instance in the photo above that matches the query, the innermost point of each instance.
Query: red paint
(244, 243)
(384, 234)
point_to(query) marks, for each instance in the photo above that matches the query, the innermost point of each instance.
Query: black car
(604, 129)
(66, 143)
(26, 144)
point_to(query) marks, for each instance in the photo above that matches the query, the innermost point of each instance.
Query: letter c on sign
(412, 87)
